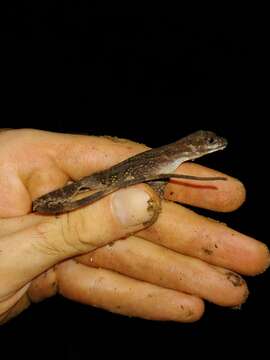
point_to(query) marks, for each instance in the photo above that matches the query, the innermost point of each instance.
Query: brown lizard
(155, 166)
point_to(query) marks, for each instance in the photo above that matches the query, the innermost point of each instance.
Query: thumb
(43, 241)
(116, 216)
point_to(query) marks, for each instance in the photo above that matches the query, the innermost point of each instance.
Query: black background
(152, 79)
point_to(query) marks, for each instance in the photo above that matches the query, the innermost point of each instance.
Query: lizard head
(201, 143)
(190, 147)
(207, 141)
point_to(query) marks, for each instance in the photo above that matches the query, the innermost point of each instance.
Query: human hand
(164, 272)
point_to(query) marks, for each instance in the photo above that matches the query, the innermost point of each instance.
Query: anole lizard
(153, 166)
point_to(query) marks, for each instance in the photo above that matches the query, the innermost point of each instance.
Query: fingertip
(184, 308)
(237, 290)
(232, 196)
(196, 312)
(224, 196)
(259, 260)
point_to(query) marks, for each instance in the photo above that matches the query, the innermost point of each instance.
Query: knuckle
(61, 235)
(75, 230)
(45, 233)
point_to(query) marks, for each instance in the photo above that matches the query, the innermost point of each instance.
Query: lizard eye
(211, 140)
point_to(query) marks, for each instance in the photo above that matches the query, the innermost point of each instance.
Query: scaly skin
(149, 166)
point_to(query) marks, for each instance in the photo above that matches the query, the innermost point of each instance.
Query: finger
(119, 294)
(5, 129)
(186, 232)
(37, 248)
(142, 260)
(80, 156)
(213, 195)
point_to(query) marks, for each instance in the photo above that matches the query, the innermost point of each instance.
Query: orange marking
(200, 186)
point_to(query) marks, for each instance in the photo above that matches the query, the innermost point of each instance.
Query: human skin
(162, 272)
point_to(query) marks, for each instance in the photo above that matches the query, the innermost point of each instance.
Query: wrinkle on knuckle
(75, 230)
(63, 235)
(44, 232)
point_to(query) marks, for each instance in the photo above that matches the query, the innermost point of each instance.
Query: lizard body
(152, 166)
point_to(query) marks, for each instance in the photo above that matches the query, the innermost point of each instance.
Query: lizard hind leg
(159, 187)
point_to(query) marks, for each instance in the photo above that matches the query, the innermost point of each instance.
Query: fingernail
(132, 206)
